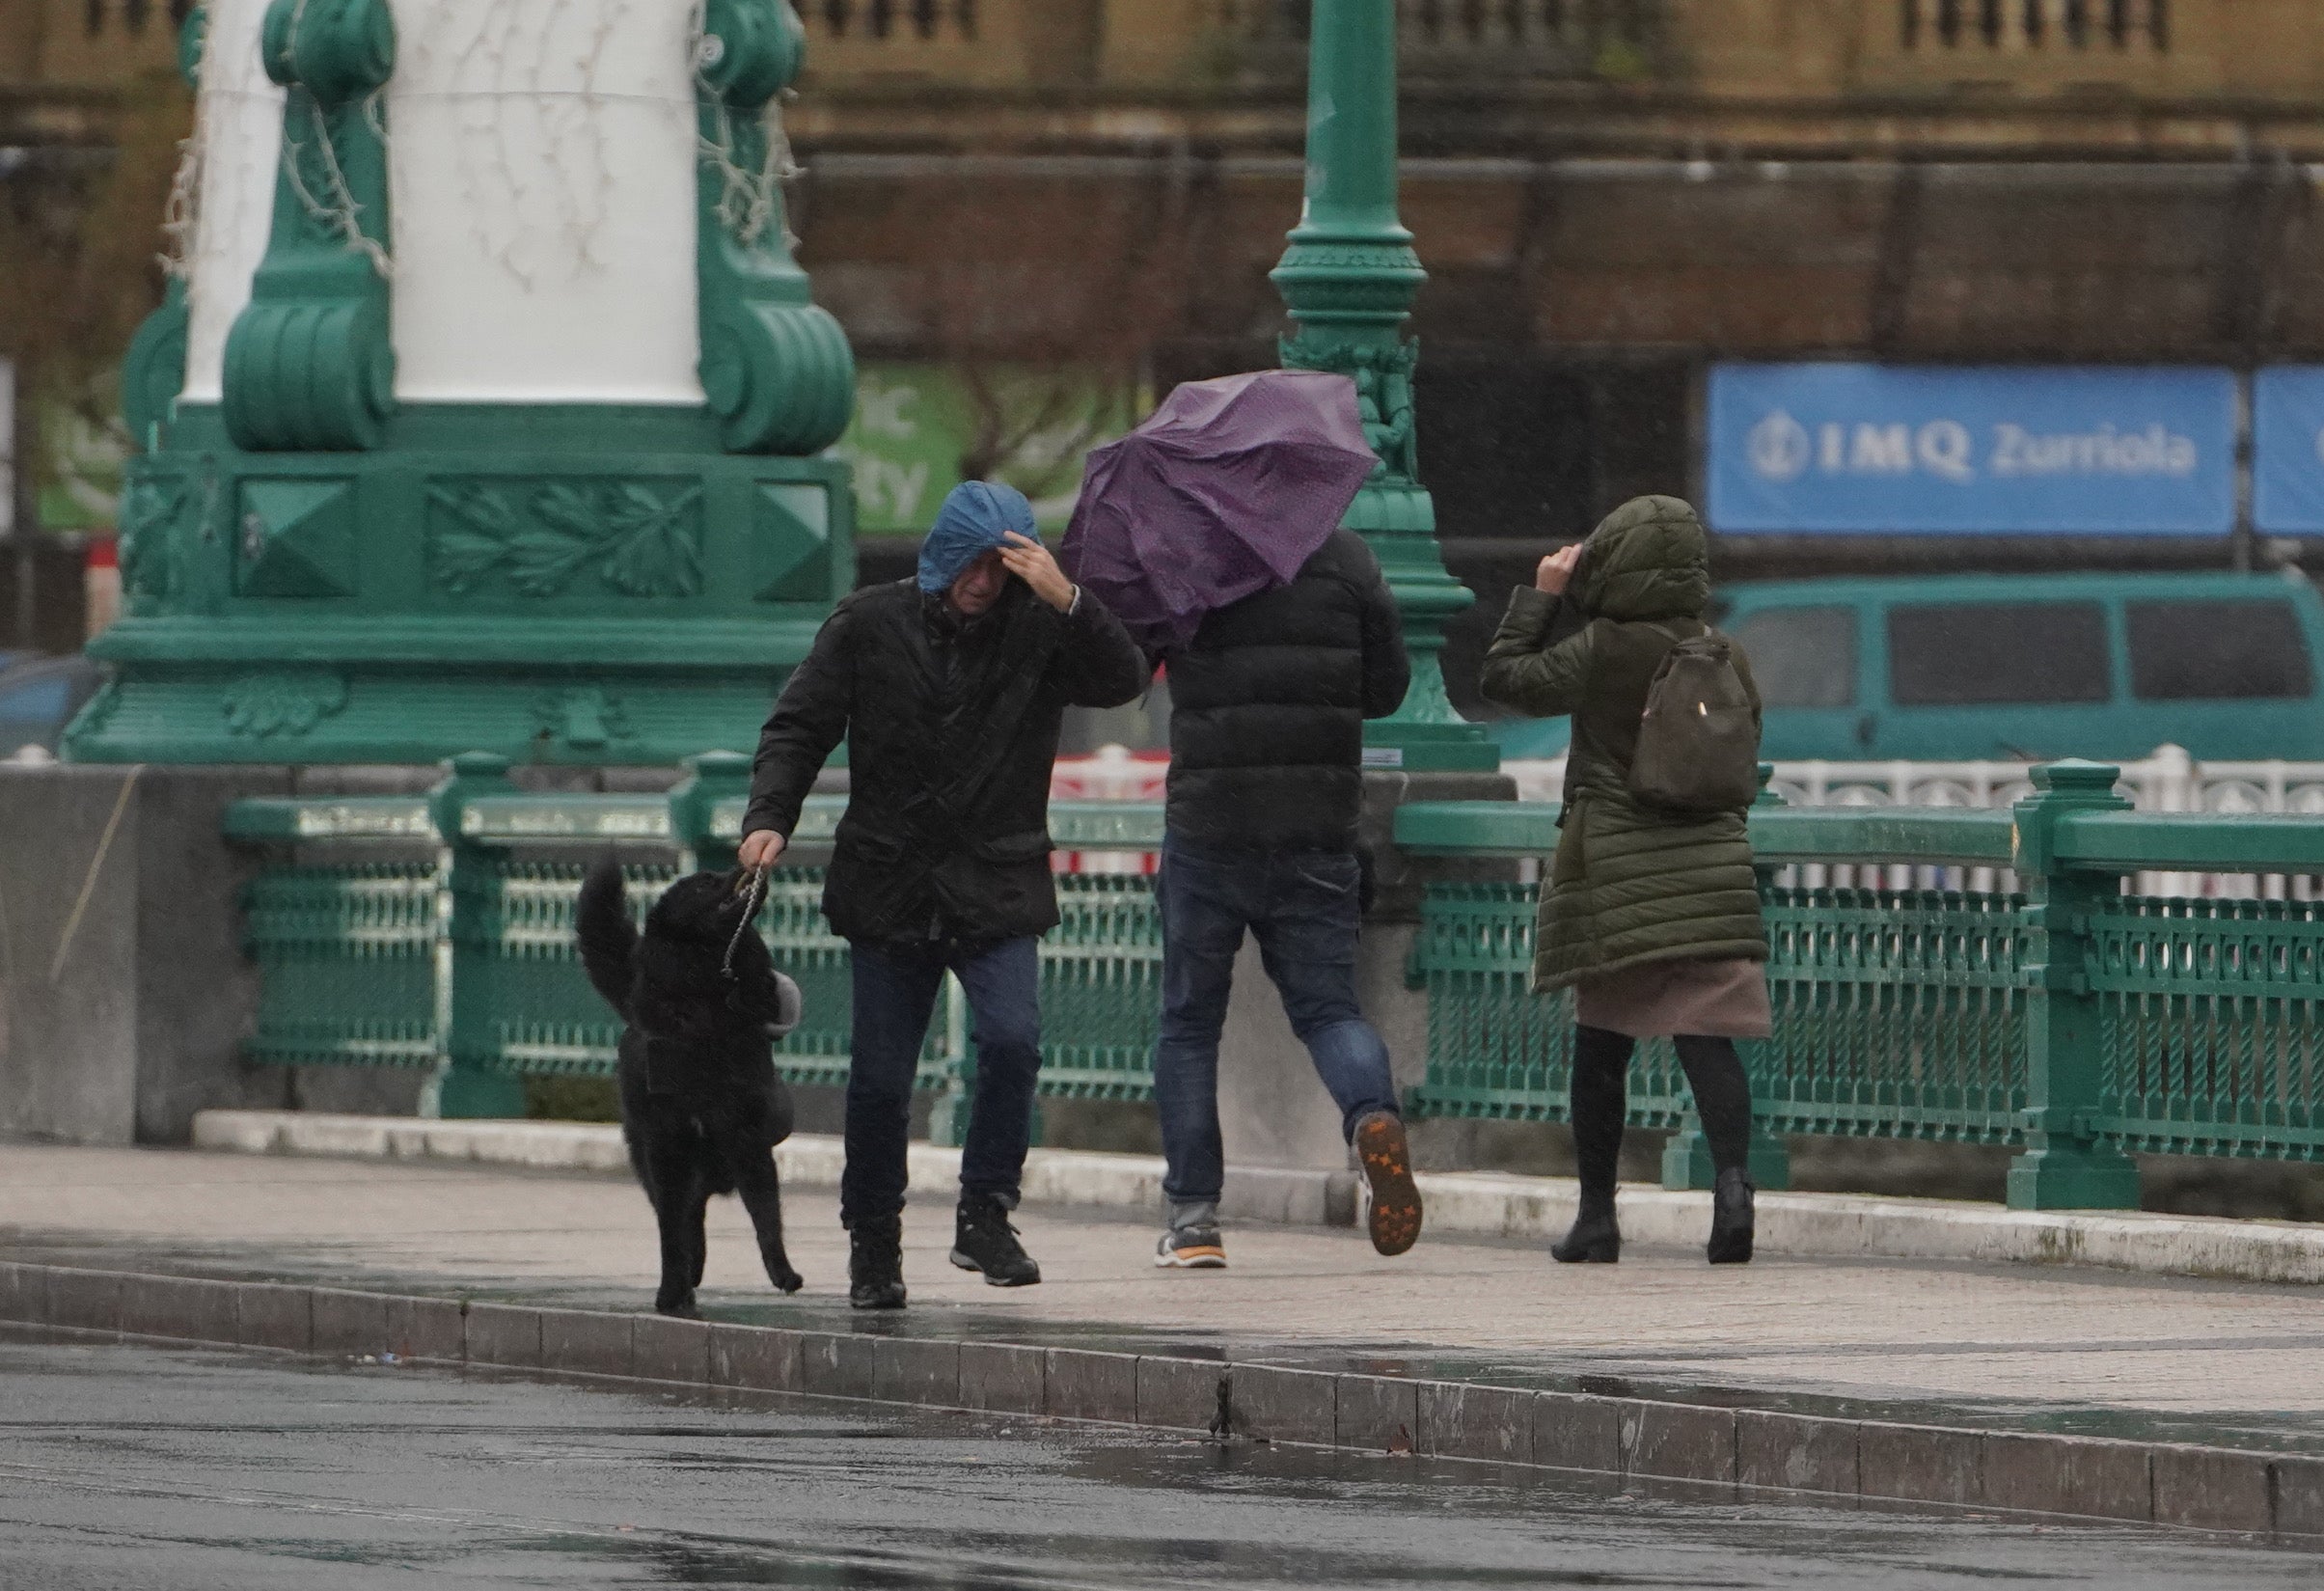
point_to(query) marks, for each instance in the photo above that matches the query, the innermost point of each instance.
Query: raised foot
(984, 1240)
(1387, 1160)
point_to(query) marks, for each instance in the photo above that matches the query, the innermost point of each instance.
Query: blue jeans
(895, 993)
(1303, 907)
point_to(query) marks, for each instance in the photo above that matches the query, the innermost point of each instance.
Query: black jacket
(1268, 705)
(951, 725)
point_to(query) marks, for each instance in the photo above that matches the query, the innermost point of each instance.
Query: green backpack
(1697, 740)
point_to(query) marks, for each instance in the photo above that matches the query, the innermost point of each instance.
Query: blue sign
(1953, 450)
(2287, 449)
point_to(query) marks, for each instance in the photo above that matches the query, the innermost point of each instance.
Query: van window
(1959, 654)
(2217, 651)
(1801, 657)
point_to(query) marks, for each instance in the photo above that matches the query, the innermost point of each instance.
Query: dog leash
(758, 889)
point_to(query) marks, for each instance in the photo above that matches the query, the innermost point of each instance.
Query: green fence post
(469, 1082)
(712, 778)
(1686, 1157)
(2063, 1167)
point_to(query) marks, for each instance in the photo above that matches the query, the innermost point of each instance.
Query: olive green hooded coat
(1629, 885)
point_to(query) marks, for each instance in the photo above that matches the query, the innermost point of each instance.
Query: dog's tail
(609, 939)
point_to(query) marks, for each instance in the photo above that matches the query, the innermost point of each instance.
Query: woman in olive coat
(1652, 918)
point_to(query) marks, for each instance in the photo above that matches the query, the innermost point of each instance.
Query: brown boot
(1387, 1163)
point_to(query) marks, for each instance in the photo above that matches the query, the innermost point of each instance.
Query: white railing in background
(1110, 773)
(2169, 781)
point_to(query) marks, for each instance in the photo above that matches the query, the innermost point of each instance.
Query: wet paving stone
(191, 1469)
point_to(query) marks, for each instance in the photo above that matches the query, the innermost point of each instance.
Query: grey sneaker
(1191, 1249)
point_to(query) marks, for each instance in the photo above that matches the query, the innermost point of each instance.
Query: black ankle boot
(983, 1239)
(875, 1263)
(1595, 1239)
(1731, 1219)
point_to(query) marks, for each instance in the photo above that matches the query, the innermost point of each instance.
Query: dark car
(39, 699)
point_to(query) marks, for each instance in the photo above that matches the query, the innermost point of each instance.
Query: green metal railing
(2073, 1021)
(2067, 1020)
(461, 959)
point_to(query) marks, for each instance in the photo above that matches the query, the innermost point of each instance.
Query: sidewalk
(1973, 1348)
(1465, 1203)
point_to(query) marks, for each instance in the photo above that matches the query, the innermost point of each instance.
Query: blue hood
(975, 516)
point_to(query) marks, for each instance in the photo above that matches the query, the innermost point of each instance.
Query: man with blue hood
(949, 688)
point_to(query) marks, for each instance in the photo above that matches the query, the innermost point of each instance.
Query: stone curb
(1476, 1203)
(1746, 1451)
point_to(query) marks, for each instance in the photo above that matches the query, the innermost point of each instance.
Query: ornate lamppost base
(568, 585)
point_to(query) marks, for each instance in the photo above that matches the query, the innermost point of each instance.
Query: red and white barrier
(1111, 773)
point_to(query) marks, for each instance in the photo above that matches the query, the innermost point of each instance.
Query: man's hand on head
(759, 849)
(1031, 562)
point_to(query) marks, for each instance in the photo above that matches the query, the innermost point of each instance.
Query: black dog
(701, 1106)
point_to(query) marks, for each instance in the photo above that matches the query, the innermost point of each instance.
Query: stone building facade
(1609, 194)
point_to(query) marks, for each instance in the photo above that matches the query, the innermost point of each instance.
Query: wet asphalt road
(130, 1468)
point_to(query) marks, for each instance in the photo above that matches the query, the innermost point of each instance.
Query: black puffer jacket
(1268, 705)
(951, 725)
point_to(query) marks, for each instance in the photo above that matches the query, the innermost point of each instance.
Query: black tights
(1602, 1063)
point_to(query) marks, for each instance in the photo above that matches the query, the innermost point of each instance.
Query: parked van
(1964, 667)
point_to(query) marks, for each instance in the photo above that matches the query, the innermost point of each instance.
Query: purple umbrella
(1226, 490)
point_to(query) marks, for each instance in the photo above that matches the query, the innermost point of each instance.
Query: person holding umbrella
(1213, 530)
(949, 688)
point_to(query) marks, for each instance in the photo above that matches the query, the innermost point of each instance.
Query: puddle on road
(257, 1467)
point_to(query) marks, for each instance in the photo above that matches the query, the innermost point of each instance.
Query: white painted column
(238, 122)
(542, 158)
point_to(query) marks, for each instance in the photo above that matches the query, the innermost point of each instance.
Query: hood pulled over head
(1648, 560)
(977, 517)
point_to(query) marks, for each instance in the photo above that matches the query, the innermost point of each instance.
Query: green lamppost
(1349, 279)
(489, 415)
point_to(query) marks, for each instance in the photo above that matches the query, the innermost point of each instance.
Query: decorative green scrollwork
(288, 703)
(585, 718)
(1383, 373)
(152, 374)
(309, 364)
(774, 364)
(642, 538)
(152, 503)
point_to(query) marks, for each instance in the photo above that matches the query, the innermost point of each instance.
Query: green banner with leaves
(922, 429)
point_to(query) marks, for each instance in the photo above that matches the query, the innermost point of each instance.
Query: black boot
(1595, 1239)
(983, 1239)
(875, 1263)
(1731, 1218)
(1601, 1061)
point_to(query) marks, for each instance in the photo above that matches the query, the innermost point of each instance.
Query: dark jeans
(896, 994)
(1303, 907)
